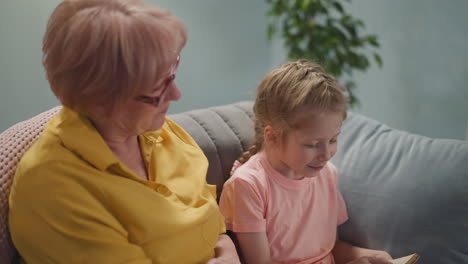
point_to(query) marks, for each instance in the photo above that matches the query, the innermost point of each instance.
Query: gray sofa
(405, 193)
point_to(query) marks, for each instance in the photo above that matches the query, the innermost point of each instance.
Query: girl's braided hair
(288, 89)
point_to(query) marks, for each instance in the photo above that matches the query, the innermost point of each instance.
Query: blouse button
(163, 190)
(151, 184)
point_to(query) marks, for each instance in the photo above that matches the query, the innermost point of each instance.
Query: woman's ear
(270, 136)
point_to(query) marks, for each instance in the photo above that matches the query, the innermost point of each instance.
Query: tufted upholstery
(223, 133)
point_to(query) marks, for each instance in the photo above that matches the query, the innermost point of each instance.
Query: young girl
(283, 202)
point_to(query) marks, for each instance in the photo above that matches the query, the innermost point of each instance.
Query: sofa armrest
(405, 193)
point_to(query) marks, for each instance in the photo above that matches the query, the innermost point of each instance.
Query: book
(411, 259)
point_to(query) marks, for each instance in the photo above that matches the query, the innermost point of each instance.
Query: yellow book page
(406, 260)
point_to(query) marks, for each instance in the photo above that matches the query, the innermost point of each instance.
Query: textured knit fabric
(72, 201)
(300, 217)
(13, 143)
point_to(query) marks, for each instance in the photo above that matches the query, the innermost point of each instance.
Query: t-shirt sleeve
(342, 211)
(212, 190)
(243, 206)
(340, 203)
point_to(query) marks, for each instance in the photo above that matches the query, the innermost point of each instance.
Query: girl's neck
(276, 163)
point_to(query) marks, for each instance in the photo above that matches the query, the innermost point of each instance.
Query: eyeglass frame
(156, 100)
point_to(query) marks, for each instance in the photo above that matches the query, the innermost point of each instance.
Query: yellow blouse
(73, 201)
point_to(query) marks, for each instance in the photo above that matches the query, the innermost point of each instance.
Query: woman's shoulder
(44, 164)
(46, 175)
(52, 160)
(46, 152)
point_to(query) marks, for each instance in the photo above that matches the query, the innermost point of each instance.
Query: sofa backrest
(223, 132)
(405, 193)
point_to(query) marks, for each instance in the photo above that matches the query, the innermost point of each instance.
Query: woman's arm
(255, 248)
(344, 252)
(225, 251)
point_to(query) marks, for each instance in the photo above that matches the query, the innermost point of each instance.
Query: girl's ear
(270, 136)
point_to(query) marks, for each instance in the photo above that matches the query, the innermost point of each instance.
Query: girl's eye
(333, 141)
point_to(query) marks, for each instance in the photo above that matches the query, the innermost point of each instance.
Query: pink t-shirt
(300, 217)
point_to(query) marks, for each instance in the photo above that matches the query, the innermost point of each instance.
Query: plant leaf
(322, 31)
(305, 4)
(271, 31)
(338, 7)
(378, 59)
(372, 39)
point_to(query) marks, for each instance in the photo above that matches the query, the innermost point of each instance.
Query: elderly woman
(112, 179)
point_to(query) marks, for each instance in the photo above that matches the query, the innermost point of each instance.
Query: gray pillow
(405, 193)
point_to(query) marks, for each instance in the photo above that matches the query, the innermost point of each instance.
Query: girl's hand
(383, 255)
(370, 260)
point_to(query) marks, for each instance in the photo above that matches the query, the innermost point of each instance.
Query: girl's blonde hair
(286, 91)
(104, 52)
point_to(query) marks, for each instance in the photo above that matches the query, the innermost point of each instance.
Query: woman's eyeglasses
(156, 100)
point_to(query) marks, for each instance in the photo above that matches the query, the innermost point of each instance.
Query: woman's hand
(370, 260)
(225, 252)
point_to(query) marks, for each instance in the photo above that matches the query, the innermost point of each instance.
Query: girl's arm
(370, 260)
(225, 251)
(255, 248)
(344, 252)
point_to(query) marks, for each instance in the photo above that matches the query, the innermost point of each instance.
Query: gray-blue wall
(422, 87)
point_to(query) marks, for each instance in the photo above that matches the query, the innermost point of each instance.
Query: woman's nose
(174, 93)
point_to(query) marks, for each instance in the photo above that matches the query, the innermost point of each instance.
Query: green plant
(322, 31)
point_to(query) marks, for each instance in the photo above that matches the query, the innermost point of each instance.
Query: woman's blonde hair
(286, 91)
(104, 52)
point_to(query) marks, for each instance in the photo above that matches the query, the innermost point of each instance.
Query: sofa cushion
(405, 193)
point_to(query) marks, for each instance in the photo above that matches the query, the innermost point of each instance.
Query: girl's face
(303, 152)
